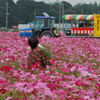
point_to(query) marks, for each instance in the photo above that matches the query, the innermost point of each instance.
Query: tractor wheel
(56, 33)
(47, 33)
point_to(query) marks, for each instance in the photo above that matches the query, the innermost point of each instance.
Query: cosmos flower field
(73, 75)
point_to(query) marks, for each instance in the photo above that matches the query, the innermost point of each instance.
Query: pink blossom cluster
(73, 75)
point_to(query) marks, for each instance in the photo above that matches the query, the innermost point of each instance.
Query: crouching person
(36, 56)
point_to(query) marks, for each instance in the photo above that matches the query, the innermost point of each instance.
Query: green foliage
(16, 30)
(47, 53)
(24, 11)
(2, 97)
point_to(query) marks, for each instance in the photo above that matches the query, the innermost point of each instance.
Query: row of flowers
(73, 75)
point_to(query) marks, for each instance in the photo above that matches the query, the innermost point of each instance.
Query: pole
(6, 15)
(59, 14)
(65, 27)
(82, 7)
(62, 15)
(35, 14)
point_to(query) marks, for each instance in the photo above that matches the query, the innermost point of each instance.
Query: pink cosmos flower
(61, 97)
(73, 68)
(48, 93)
(64, 70)
(92, 76)
(2, 61)
(73, 52)
(87, 97)
(47, 72)
(52, 77)
(62, 92)
(47, 66)
(33, 97)
(84, 73)
(83, 92)
(19, 84)
(30, 90)
(58, 80)
(8, 98)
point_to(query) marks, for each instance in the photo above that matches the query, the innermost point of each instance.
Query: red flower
(79, 83)
(41, 68)
(98, 84)
(2, 81)
(53, 86)
(13, 59)
(3, 91)
(91, 79)
(58, 80)
(51, 72)
(56, 65)
(43, 80)
(37, 64)
(52, 61)
(7, 68)
(22, 94)
(34, 91)
(33, 66)
(69, 65)
(1, 69)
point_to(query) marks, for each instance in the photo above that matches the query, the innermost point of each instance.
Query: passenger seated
(81, 25)
(85, 26)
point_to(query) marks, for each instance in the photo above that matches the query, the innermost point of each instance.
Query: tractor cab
(44, 23)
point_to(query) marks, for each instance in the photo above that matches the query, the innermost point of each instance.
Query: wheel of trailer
(68, 32)
(46, 33)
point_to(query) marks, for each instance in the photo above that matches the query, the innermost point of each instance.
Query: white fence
(23, 26)
(62, 26)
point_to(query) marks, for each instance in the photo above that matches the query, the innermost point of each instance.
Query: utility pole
(82, 7)
(63, 14)
(59, 14)
(6, 15)
(35, 14)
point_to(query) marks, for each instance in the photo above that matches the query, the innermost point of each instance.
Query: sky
(73, 2)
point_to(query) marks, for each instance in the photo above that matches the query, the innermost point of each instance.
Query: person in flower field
(36, 56)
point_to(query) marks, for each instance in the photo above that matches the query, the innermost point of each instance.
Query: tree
(66, 5)
(78, 8)
(11, 5)
(24, 11)
(95, 7)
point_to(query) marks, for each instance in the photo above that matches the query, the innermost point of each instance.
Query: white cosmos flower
(29, 48)
(7, 59)
(41, 46)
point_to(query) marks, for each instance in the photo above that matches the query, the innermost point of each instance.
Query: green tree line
(24, 11)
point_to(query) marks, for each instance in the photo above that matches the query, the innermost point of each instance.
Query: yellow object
(96, 25)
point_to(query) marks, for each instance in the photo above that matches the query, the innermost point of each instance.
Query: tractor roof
(45, 17)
